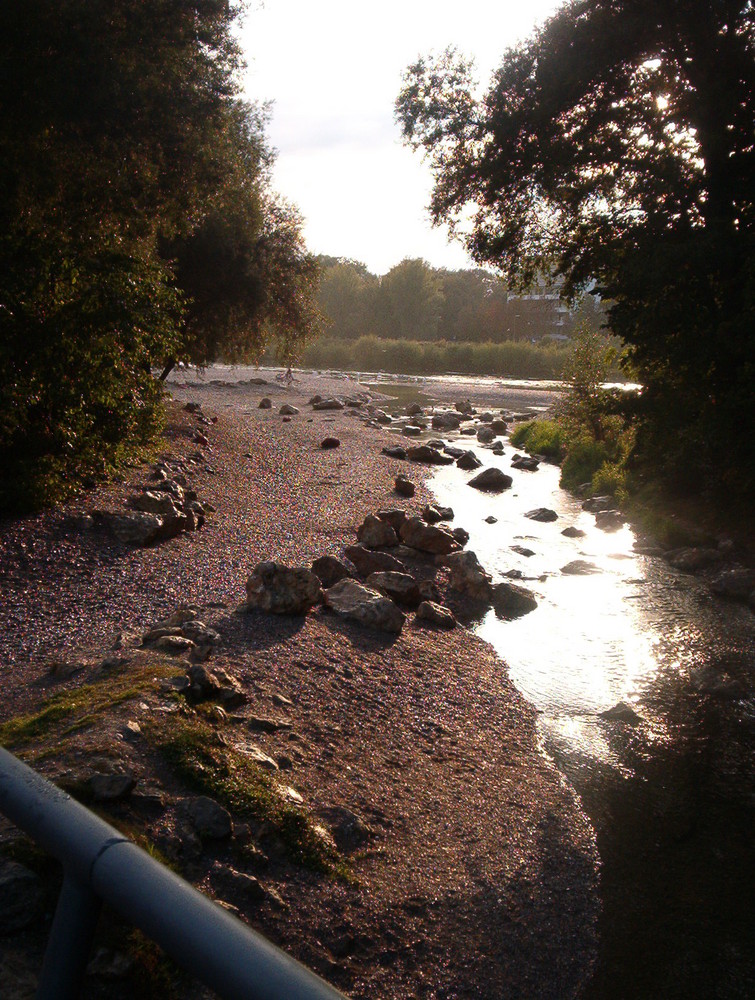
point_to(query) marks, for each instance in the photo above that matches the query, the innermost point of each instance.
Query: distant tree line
(137, 227)
(416, 302)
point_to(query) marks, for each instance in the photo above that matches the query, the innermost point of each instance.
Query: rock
(491, 480)
(413, 409)
(498, 425)
(609, 520)
(491, 520)
(461, 535)
(262, 724)
(572, 532)
(22, 894)
(433, 513)
(368, 561)
(468, 576)
(621, 712)
(208, 818)
(214, 685)
(438, 443)
(260, 758)
(735, 584)
(265, 403)
(401, 587)
(403, 486)
(543, 514)
(411, 430)
(201, 439)
(329, 570)
(453, 451)
(594, 504)
(417, 534)
(395, 516)
(394, 451)
(376, 533)
(522, 550)
(579, 567)
(173, 645)
(485, 435)
(282, 590)
(330, 442)
(525, 462)
(362, 604)
(692, 559)
(465, 407)
(193, 407)
(512, 601)
(424, 453)
(200, 634)
(446, 420)
(317, 398)
(287, 410)
(238, 883)
(468, 461)
(134, 529)
(154, 503)
(328, 404)
(497, 447)
(429, 591)
(110, 787)
(436, 614)
(349, 831)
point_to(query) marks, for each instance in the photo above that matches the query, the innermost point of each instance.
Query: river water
(671, 794)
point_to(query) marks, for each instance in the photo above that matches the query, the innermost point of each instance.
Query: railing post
(69, 943)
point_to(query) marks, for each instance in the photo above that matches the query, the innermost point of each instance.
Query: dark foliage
(617, 144)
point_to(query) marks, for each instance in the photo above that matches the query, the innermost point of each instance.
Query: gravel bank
(480, 878)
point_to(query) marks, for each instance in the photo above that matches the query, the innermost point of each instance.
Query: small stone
(404, 487)
(512, 601)
(282, 590)
(265, 403)
(579, 567)
(364, 605)
(491, 520)
(328, 404)
(572, 532)
(329, 570)
(621, 713)
(394, 451)
(330, 442)
(173, 645)
(522, 550)
(411, 430)
(208, 818)
(369, 561)
(287, 410)
(436, 614)
(376, 533)
(468, 461)
(111, 787)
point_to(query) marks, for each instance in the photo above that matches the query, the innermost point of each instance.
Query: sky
(333, 69)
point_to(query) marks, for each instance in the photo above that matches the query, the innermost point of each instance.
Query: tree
(131, 171)
(410, 301)
(347, 297)
(617, 144)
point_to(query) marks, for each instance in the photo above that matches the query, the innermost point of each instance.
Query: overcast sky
(333, 69)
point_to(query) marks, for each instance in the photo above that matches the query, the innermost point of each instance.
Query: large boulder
(492, 480)
(735, 584)
(376, 533)
(485, 435)
(512, 601)
(418, 534)
(468, 575)
(362, 604)
(282, 590)
(138, 528)
(542, 514)
(329, 570)
(401, 587)
(424, 453)
(403, 486)
(691, 559)
(595, 504)
(366, 561)
(609, 520)
(446, 420)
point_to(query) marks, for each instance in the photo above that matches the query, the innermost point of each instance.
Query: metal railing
(100, 864)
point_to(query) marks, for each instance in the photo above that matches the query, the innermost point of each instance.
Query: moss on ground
(197, 754)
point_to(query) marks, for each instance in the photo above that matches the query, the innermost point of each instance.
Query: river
(671, 794)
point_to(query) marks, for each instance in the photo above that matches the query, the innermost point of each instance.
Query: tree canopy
(137, 224)
(617, 144)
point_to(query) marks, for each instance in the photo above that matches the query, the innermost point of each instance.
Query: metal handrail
(100, 864)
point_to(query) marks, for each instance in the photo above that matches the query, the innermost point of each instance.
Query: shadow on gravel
(363, 638)
(257, 630)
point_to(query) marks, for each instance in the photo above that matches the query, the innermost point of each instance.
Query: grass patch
(70, 711)
(539, 437)
(194, 751)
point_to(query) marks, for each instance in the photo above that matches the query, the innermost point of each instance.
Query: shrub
(539, 437)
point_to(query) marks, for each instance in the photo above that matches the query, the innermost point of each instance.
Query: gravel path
(481, 880)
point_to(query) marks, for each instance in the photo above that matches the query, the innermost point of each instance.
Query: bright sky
(333, 69)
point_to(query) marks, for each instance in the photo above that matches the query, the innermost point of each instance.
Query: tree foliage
(617, 144)
(137, 224)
